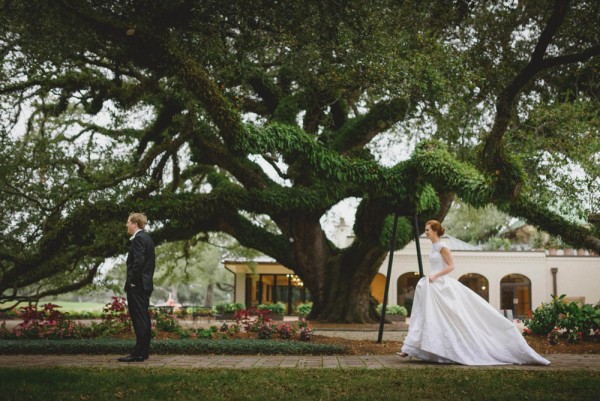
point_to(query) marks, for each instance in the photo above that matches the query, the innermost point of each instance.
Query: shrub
(543, 320)
(277, 308)
(186, 333)
(166, 322)
(495, 244)
(227, 307)
(48, 322)
(252, 318)
(100, 346)
(9, 314)
(305, 333)
(115, 319)
(561, 320)
(393, 310)
(199, 311)
(5, 333)
(229, 329)
(85, 315)
(205, 333)
(265, 331)
(285, 331)
(304, 309)
(258, 321)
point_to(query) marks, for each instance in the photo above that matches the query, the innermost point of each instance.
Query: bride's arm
(449, 264)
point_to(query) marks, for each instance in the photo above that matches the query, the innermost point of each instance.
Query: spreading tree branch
(357, 132)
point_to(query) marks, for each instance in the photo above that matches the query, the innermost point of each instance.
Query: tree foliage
(475, 225)
(177, 109)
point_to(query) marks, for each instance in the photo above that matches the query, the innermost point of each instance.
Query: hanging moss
(323, 162)
(446, 173)
(404, 232)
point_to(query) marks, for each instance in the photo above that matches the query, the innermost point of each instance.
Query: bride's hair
(436, 226)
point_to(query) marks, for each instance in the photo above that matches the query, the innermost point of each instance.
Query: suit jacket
(140, 263)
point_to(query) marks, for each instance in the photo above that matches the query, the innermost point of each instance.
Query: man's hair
(139, 219)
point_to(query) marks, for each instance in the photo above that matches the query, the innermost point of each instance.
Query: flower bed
(50, 323)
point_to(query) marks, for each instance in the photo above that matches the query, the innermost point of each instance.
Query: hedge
(163, 347)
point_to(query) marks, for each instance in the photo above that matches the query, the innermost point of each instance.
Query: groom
(138, 285)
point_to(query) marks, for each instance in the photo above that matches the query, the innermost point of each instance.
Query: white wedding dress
(450, 323)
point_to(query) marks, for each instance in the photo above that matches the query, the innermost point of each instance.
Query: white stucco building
(513, 280)
(518, 281)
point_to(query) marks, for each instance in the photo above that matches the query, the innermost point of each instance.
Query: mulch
(539, 344)
(371, 347)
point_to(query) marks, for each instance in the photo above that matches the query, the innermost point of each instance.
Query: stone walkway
(558, 362)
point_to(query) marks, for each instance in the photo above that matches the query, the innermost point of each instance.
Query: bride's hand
(431, 278)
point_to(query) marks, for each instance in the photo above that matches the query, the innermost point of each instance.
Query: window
(477, 283)
(515, 294)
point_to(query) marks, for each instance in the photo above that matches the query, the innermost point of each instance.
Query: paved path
(558, 362)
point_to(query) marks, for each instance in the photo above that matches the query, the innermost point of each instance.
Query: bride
(452, 324)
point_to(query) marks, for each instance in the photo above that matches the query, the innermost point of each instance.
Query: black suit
(139, 286)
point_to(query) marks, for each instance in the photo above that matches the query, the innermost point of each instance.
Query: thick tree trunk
(209, 294)
(346, 290)
(339, 281)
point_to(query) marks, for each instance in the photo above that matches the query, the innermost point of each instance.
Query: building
(264, 281)
(517, 281)
(511, 280)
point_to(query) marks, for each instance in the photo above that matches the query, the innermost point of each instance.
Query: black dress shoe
(131, 359)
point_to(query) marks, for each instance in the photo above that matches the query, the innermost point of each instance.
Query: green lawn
(138, 383)
(78, 307)
(72, 307)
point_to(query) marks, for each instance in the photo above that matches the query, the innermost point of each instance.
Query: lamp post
(418, 244)
(389, 270)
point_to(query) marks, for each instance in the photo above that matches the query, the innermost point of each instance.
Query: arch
(406, 285)
(477, 283)
(378, 287)
(515, 294)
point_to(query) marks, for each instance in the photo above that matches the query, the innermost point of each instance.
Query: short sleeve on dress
(441, 245)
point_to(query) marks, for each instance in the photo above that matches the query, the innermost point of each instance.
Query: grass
(78, 307)
(66, 306)
(133, 383)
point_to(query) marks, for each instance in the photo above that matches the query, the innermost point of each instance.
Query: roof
(257, 259)
(456, 244)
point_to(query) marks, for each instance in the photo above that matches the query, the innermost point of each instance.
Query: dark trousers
(138, 303)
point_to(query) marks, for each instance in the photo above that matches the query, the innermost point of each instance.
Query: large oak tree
(175, 108)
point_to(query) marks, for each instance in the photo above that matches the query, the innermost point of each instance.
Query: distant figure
(139, 285)
(452, 324)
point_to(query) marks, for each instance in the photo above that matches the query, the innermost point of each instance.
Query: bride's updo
(436, 226)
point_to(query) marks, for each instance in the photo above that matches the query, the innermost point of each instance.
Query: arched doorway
(477, 283)
(515, 294)
(407, 283)
(378, 287)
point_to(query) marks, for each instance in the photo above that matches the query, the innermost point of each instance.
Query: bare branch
(506, 99)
